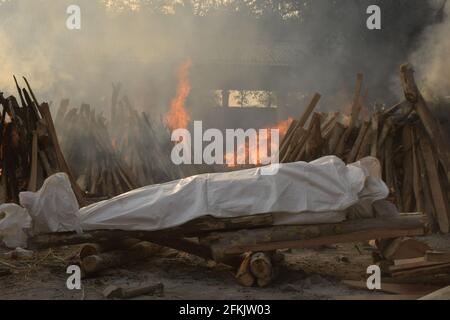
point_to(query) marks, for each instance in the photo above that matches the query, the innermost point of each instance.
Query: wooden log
(287, 137)
(364, 149)
(196, 227)
(417, 185)
(407, 183)
(359, 140)
(390, 172)
(90, 249)
(428, 203)
(314, 144)
(356, 108)
(404, 248)
(437, 256)
(96, 263)
(328, 124)
(431, 125)
(243, 276)
(115, 292)
(419, 264)
(302, 120)
(186, 245)
(296, 146)
(335, 137)
(281, 237)
(261, 268)
(261, 265)
(374, 125)
(32, 183)
(423, 271)
(437, 191)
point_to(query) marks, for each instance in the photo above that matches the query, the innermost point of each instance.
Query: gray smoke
(432, 59)
(142, 47)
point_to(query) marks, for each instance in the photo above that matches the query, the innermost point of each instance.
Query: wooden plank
(442, 208)
(357, 145)
(431, 125)
(417, 185)
(435, 269)
(413, 265)
(301, 122)
(404, 248)
(219, 253)
(198, 226)
(374, 125)
(308, 111)
(335, 137)
(279, 237)
(32, 183)
(437, 256)
(365, 147)
(407, 183)
(428, 203)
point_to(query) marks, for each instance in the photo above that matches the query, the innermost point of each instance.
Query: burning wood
(178, 117)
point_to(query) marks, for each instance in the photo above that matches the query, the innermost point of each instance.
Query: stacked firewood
(90, 151)
(406, 138)
(406, 257)
(143, 143)
(30, 150)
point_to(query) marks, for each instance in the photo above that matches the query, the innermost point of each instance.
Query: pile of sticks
(98, 169)
(407, 139)
(142, 143)
(30, 151)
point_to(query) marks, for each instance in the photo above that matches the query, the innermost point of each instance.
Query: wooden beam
(413, 95)
(281, 237)
(192, 228)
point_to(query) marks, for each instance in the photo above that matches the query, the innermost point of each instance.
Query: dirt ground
(305, 274)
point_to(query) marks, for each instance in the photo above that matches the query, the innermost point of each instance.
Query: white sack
(321, 186)
(14, 220)
(54, 208)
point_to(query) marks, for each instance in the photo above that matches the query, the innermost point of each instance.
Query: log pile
(91, 154)
(143, 143)
(408, 258)
(406, 138)
(30, 150)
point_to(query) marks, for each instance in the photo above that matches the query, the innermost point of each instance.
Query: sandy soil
(304, 274)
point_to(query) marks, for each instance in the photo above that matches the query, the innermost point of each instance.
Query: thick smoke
(141, 49)
(432, 59)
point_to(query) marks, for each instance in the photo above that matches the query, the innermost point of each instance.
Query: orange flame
(178, 117)
(245, 152)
